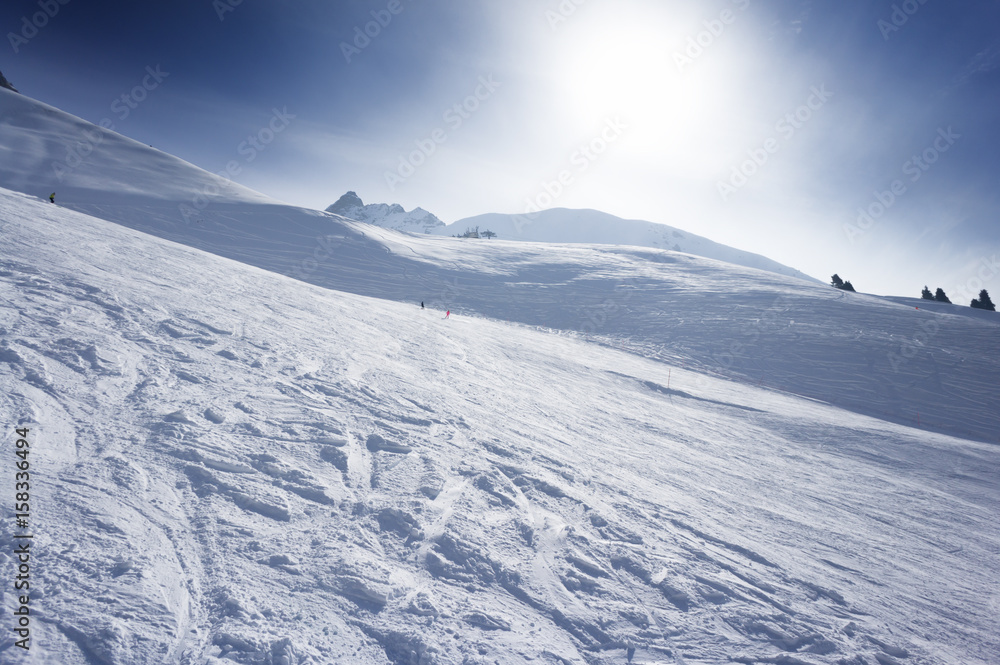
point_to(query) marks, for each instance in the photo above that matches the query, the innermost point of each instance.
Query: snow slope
(562, 225)
(867, 354)
(233, 466)
(44, 149)
(604, 449)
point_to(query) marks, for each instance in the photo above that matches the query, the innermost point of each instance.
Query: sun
(625, 67)
(631, 70)
(622, 72)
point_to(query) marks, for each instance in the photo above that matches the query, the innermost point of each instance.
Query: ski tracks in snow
(307, 479)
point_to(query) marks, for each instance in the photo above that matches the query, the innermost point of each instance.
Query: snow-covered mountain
(592, 226)
(560, 225)
(606, 454)
(385, 215)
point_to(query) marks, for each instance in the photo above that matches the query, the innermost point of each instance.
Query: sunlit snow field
(605, 454)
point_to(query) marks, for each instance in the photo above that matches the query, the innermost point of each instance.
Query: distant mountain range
(385, 215)
(560, 225)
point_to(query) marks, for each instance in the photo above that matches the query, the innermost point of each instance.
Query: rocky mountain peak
(390, 216)
(345, 203)
(4, 83)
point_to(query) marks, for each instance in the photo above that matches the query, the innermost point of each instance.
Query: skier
(421, 304)
(447, 314)
(52, 197)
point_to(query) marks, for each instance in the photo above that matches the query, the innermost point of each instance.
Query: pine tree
(984, 302)
(838, 283)
(940, 296)
(926, 294)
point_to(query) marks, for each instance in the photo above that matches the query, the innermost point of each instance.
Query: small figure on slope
(52, 197)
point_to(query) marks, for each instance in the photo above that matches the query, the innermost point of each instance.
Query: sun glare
(630, 70)
(630, 67)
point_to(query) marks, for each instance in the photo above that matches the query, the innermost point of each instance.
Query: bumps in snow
(376, 443)
(486, 622)
(334, 456)
(397, 521)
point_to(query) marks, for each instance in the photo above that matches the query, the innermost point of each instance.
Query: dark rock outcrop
(4, 83)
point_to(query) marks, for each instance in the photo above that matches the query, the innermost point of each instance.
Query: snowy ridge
(242, 467)
(44, 149)
(561, 225)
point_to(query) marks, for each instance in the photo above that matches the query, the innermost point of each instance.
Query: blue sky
(764, 124)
